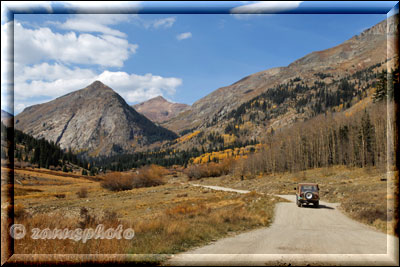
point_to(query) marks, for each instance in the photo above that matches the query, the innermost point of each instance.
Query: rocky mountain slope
(367, 49)
(95, 121)
(159, 110)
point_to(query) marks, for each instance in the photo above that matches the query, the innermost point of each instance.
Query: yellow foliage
(229, 138)
(187, 137)
(226, 154)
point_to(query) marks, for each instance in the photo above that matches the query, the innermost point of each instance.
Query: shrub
(116, 181)
(59, 195)
(87, 219)
(210, 169)
(147, 176)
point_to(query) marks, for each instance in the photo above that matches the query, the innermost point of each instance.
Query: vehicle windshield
(309, 188)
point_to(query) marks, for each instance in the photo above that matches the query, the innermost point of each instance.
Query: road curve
(305, 235)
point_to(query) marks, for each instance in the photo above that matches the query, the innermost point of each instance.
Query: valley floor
(179, 216)
(167, 219)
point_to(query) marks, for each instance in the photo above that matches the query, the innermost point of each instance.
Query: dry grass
(29, 245)
(169, 218)
(175, 229)
(196, 223)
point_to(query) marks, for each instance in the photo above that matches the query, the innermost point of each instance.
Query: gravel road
(304, 235)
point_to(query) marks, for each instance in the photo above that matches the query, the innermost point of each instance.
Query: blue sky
(182, 57)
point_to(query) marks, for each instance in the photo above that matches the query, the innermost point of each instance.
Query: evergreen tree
(367, 137)
(381, 87)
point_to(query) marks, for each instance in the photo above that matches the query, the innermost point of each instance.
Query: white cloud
(48, 81)
(136, 88)
(33, 45)
(184, 35)
(266, 7)
(164, 23)
(49, 72)
(44, 64)
(97, 23)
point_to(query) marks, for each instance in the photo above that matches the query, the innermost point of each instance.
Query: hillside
(331, 65)
(159, 110)
(94, 121)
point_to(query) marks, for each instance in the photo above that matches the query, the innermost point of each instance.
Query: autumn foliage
(146, 176)
(211, 169)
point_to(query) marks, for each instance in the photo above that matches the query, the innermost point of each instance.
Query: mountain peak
(98, 85)
(159, 98)
(158, 109)
(94, 120)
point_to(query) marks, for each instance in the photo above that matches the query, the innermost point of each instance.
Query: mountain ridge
(359, 52)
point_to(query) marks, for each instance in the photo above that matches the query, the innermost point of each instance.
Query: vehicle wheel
(316, 204)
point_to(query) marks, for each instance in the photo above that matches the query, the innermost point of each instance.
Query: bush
(82, 193)
(149, 176)
(146, 176)
(117, 182)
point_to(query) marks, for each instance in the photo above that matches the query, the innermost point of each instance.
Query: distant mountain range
(95, 121)
(159, 110)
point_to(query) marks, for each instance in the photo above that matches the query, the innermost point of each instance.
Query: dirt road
(220, 188)
(300, 235)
